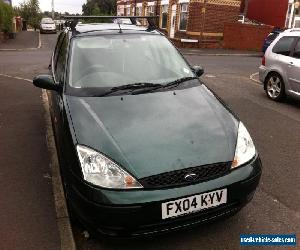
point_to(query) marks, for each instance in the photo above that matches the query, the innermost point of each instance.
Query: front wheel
(275, 88)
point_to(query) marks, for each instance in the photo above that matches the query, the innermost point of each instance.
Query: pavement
(23, 40)
(220, 52)
(27, 206)
(27, 212)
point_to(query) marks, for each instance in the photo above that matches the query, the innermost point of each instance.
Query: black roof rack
(72, 21)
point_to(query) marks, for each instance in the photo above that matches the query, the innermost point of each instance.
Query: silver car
(47, 26)
(280, 69)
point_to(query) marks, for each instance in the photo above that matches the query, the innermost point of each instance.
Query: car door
(58, 69)
(294, 68)
(283, 57)
(51, 70)
(63, 136)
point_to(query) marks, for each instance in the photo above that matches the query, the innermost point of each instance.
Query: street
(275, 128)
(27, 211)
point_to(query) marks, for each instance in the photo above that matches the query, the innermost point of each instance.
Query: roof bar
(72, 21)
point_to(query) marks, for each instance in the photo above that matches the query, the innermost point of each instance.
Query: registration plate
(193, 203)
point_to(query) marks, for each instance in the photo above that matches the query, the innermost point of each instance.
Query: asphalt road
(275, 128)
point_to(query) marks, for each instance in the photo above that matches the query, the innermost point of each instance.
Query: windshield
(115, 60)
(47, 21)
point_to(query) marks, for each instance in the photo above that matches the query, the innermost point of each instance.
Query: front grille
(177, 177)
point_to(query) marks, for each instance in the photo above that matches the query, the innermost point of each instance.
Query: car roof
(288, 32)
(47, 18)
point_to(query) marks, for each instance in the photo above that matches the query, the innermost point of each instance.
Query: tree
(6, 16)
(30, 11)
(96, 11)
(47, 14)
(100, 7)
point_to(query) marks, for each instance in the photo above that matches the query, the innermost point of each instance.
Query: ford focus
(144, 145)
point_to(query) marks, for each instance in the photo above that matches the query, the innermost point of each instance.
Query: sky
(71, 6)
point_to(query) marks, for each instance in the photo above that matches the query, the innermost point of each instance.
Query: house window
(164, 16)
(128, 11)
(138, 11)
(151, 10)
(183, 16)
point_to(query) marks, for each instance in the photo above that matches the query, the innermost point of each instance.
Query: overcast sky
(71, 6)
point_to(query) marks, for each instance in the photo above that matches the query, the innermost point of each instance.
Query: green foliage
(57, 15)
(30, 11)
(100, 7)
(6, 16)
(96, 11)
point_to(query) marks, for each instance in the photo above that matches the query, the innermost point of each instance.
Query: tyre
(275, 88)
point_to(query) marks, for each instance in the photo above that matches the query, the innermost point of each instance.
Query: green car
(144, 146)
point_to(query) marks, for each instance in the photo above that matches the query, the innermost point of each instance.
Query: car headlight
(245, 149)
(101, 171)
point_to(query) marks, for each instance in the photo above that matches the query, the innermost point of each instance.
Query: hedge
(6, 16)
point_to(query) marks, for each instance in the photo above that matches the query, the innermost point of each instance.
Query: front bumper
(48, 31)
(137, 213)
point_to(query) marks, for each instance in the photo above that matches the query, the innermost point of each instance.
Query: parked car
(280, 69)
(144, 146)
(270, 38)
(59, 24)
(47, 26)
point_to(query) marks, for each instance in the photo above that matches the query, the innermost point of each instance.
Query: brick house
(186, 20)
(278, 13)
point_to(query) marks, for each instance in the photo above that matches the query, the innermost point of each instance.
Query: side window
(60, 64)
(284, 45)
(296, 53)
(57, 47)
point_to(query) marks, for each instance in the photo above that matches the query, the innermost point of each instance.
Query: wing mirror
(198, 70)
(46, 82)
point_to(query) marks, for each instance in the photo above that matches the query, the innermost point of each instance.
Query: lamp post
(52, 5)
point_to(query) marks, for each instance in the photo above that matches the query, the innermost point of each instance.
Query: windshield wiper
(139, 85)
(174, 83)
(147, 86)
(178, 81)
(133, 86)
